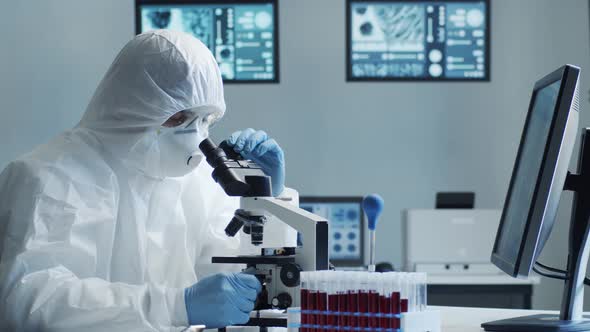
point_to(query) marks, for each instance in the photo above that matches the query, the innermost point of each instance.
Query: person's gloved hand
(258, 147)
(221, 300)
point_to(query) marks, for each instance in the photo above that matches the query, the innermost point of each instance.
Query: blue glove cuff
(187, 305)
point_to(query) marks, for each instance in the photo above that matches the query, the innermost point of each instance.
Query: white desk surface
(456, 319)
(480, 280)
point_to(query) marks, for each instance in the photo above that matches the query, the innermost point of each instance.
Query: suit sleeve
(52, 233)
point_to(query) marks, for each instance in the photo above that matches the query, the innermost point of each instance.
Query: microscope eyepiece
(237, 177)
(215, 156)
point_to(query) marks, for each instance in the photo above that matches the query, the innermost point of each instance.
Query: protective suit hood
(156, 75)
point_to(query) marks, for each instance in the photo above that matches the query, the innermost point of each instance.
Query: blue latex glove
(258, 147)
(221, 300)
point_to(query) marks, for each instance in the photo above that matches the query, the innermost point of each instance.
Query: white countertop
(480, 280)
(456, 319)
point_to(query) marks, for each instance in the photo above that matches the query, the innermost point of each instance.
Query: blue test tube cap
(373, 205)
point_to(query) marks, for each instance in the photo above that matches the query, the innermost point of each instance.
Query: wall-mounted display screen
(418, 40)
(243, 35)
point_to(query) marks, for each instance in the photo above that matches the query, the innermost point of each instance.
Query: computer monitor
(538, 178)
(418, 40)
(242, 34)
(347, 227)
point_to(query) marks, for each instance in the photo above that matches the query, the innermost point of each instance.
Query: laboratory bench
(481, 291)
(459, 319)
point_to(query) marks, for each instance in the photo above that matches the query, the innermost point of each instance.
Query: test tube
(312, 301)
(395, 300)
(342, 301)
(304, 276)
(404, 292)
(332, 317)
(373, 300)
(363, 300)
(411, 292)
(384, 300)
(423, 292)
(353, 296)
(322, 298)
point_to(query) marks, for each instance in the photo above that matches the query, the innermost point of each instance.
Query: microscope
(278, 269)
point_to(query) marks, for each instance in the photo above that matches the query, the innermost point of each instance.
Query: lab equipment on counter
(420, 40)
(347, 227)
(278, 269)
(242, 34)
(372, 205)
(449, 241)
(363, 301)
(455, 200)
(539, 176)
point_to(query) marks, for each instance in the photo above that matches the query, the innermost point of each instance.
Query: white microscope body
(278, 269)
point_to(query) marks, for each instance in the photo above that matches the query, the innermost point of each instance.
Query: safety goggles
(192, 120)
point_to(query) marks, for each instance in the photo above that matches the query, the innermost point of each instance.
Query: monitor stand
(570, 317)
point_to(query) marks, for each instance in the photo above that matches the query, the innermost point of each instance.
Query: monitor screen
(345, 218)
(418, 40)
(517, 207)
(539, 172)
(242, 35)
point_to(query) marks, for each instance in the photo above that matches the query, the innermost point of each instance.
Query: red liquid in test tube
(363, 306)
(373, 309)
(312, 304)
(384, 308)
(332, 319)
(322, 307)
(395, 309)
(342, 310)
(404, 305)
(353, 297)
(304, 308)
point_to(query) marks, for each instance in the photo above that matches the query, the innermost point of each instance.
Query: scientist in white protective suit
(109, 226)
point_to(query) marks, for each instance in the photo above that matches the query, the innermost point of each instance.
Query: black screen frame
(351, 78)
(538, 227)
(343, 199)
(276, 39)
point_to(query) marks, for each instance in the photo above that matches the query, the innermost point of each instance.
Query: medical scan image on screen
(527, 171)
(345, 227)
(241, 37)
(418, 40)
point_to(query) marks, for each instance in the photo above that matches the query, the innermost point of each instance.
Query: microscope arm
(313, 229)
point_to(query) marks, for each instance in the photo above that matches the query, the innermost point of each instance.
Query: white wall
(403, 140)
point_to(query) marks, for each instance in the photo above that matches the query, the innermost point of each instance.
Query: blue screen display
(345, 228)
(422, 40)
(240, 36)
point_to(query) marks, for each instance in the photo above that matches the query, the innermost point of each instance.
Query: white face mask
(179, 147)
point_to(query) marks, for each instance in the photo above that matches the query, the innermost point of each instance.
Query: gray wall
(403, 140)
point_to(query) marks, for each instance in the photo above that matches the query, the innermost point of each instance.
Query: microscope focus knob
(282, 301)
(290, 274)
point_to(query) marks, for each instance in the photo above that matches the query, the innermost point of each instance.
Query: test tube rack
(363, 301)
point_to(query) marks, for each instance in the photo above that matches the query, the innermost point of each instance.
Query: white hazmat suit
(93, 234)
